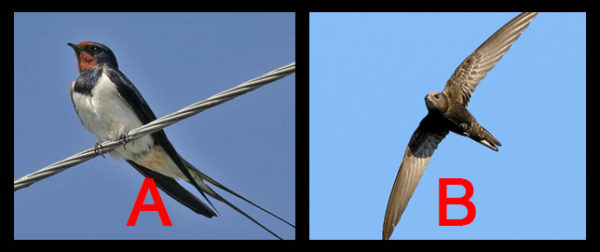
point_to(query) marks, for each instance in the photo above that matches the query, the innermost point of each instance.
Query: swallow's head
(436, 101)
(91, 54)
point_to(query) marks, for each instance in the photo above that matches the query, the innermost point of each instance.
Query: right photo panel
(447, 125)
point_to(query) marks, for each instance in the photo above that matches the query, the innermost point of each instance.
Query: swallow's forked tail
(198, 174)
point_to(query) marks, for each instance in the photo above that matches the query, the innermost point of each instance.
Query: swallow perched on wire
(447, 111)
(109, 105)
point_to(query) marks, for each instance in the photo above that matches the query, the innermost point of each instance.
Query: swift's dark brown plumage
(447, 112)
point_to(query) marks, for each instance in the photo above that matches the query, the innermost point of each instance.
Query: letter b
(464, 200)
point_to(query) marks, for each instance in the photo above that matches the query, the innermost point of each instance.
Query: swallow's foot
(98, 149)
(124, 139)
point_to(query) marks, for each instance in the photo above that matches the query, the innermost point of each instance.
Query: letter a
(157, 206)
(464, 200)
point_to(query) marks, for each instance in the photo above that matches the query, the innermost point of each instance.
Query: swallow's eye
(95, 49)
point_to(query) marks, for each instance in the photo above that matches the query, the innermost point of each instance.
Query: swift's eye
(436, 96)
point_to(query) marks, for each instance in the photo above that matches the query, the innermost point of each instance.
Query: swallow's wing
(175, 190)
(133, 97)
(418, 153)
(474, 68)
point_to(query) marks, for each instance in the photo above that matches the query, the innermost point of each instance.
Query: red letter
(464, 200)
(157, 206)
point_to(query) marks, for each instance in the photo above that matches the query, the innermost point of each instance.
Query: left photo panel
(83, 79)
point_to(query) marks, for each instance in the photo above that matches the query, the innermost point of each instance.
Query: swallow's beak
(75, 47)
(78, 50)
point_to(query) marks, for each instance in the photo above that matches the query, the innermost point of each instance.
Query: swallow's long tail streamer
(213, 194)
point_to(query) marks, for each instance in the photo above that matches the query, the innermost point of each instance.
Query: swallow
(109, 105)
(447, 111)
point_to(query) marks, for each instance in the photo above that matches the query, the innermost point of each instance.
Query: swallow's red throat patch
(85, 61)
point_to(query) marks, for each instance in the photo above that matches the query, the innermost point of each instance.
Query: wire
(155, 125)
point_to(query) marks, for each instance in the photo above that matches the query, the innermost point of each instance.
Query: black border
(302, 126)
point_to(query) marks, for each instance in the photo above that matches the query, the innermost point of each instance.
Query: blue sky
(369, 74)
(174, 59)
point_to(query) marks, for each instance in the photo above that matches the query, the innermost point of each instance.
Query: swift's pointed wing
(423, 142)
(474, 68)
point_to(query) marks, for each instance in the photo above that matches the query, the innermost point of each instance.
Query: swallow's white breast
(106, 114)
